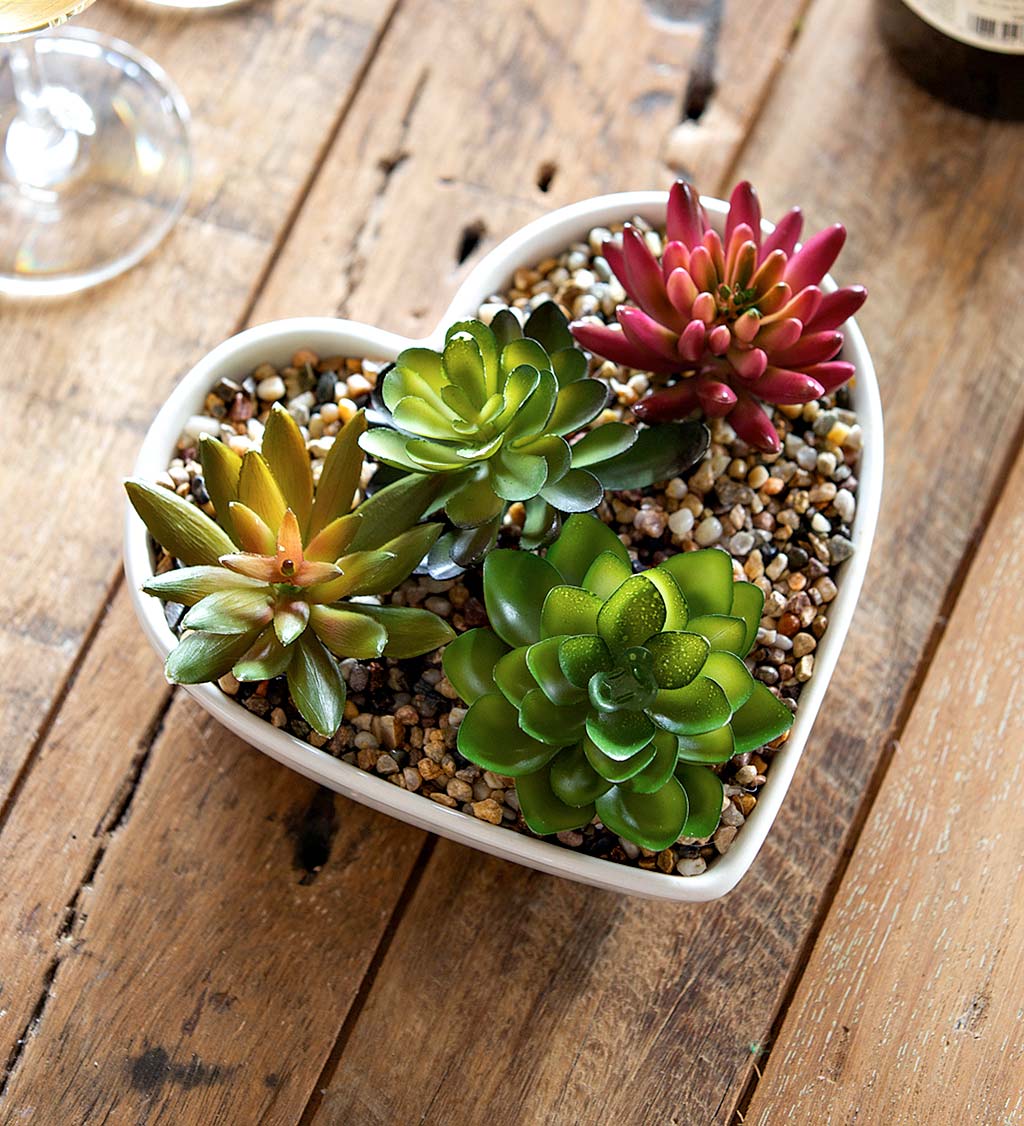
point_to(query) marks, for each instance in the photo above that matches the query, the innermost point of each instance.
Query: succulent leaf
(578, 491)
(258, 490)
(251, 532)
(339, 477)
(542, 659)
(199, 657)
(582, 658)
(582, 541)
(348, 634)
(490, 736)
(291, 616)
(469, 663)
(515, 587)
(230, 611)
(221, 468)
(659, 770)
(316, 686)
(603, 443)
(653, 820)
(576, 405)
(711, 747)
(620, 734)
(181, 528)
(635, 612)
(724, 633)
(187, 585)
(731, 675)
(393, 509)
(569, 610)
(705, 578)
(411, 631)
(284, 450)
(513, 677)
(748, 604)
(619, 769)
(659, 452)
(543, 810)
(264, 659)
(678, 658)
(703, 798)
(699, 707)
(573, 780)
(551, 723)
(762, 718)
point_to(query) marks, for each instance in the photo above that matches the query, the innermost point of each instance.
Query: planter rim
(276, 340)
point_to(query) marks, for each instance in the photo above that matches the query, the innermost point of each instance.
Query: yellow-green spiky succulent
(268, 581)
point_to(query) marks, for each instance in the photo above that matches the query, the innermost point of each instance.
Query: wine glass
(94, 154)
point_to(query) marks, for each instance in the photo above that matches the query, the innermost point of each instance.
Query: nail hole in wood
(470, 240)
(546, 175)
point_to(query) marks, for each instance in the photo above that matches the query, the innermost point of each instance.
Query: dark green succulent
(611, 693)
(268, 581)
(493, 413)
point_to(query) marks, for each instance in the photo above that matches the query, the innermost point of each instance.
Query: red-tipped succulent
(739, 320)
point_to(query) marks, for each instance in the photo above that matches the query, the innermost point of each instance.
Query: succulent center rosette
(493, 413)
(268, 582)
(611, 693)
(739, 319)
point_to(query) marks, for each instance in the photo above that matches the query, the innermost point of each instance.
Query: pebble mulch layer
(784, 519)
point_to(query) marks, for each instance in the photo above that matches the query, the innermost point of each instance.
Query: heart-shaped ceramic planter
(276, 342)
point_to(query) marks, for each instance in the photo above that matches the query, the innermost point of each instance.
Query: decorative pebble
(709, 531)
(271, 389)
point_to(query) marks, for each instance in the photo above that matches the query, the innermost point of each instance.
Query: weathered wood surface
(95, 367)
(447, 987)
(910, 1008)
(563, 1003)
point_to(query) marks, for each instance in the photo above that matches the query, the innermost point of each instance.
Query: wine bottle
(970, 53)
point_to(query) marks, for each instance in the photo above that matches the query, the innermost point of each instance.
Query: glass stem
(39, 151)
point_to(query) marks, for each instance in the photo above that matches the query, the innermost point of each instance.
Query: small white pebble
(709, 531)
(680, 522)
(271, 389)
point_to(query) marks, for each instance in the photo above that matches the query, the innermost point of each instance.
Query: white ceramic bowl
(277, 341)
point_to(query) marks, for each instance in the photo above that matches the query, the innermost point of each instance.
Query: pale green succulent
(269, 582)
(493, 414)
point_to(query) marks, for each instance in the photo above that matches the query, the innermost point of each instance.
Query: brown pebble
(487, 810)
(305, 356)
(788, 624)
(428, 769)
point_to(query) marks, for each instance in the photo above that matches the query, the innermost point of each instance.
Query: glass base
(87, 198)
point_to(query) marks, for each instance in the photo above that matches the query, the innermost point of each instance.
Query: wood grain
(211, 959)
(70, 1020)
(559, 94)
(566, 1004)
(910, 1008)
(83, 376)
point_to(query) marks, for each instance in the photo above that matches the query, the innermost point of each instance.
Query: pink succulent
(739, 320)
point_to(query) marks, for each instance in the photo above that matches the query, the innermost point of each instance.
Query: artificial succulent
(739, 320)
(492, 413)
(611, 693)
(267, 581)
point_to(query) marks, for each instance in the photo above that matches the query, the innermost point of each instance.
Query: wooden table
(189, 933)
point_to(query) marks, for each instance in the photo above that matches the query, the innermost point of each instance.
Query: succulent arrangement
(604, 689)
(268, 582)
(492, 414)
(739, 320)
(608, 693)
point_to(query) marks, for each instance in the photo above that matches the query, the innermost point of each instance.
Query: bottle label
(993, 25)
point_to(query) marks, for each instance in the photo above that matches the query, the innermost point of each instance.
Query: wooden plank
(539, 1001)
(82, 377)
(57, 832)
(79, 1022)
(546, 94)
(235, 911)
(910, 1008)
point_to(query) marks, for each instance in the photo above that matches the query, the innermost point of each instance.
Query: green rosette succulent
(268, 581)
(605, 692)
(493, 413)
